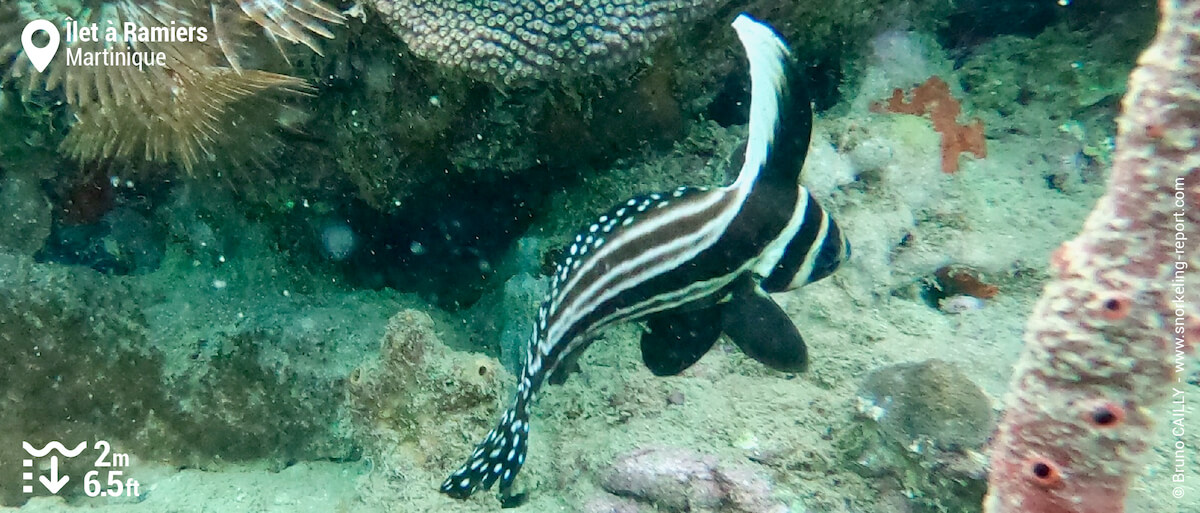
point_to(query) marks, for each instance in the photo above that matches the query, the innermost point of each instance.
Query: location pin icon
(40, 57)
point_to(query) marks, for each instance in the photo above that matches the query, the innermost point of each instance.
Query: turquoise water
(292, 261)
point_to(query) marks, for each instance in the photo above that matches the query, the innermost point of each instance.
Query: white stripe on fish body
(801, 277)
(655, 261)
(767, 55)
(633, 232)
(661, 303)
(774, 252)
(636, 236)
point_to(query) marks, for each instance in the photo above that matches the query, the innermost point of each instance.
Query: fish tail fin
(498, 457)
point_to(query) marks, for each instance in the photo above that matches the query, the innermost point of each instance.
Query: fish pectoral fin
(570, 362)
(677, 339)
(758, 326)
(565, 369)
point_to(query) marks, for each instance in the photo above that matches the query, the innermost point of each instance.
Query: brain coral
(514, 41)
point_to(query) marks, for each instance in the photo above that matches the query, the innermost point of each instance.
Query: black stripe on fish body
(661, 253)
(834, 250)
(697, 275)
(815, 249)
(629, 251)
(798, 248)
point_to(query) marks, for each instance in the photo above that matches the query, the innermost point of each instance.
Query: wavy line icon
(54, 446)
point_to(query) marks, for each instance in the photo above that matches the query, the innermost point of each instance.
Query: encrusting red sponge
(933, 98)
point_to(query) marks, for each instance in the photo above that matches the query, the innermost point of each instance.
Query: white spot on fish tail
(679, 192)
(593, 228)
(575, 265)
(600, 242)
(474, 466)
(507, 474)
(478, 452)
(497, 468)
(512, 454)
(465, 483)
(603, 219)
(621, 212)
(495, 453)
(627, 221)
(521, 459)
(574, 249)
(631, 202)
(655, 196)
(663, 204)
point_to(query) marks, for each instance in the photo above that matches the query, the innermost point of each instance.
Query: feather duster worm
(201, 105)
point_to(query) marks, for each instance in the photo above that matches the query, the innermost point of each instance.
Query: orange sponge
(933, 98)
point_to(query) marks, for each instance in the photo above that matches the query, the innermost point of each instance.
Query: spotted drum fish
(693, 263)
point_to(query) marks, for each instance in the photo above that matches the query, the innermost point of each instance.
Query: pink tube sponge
(1115, 329)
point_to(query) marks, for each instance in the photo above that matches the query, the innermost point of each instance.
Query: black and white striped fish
(691, 262)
